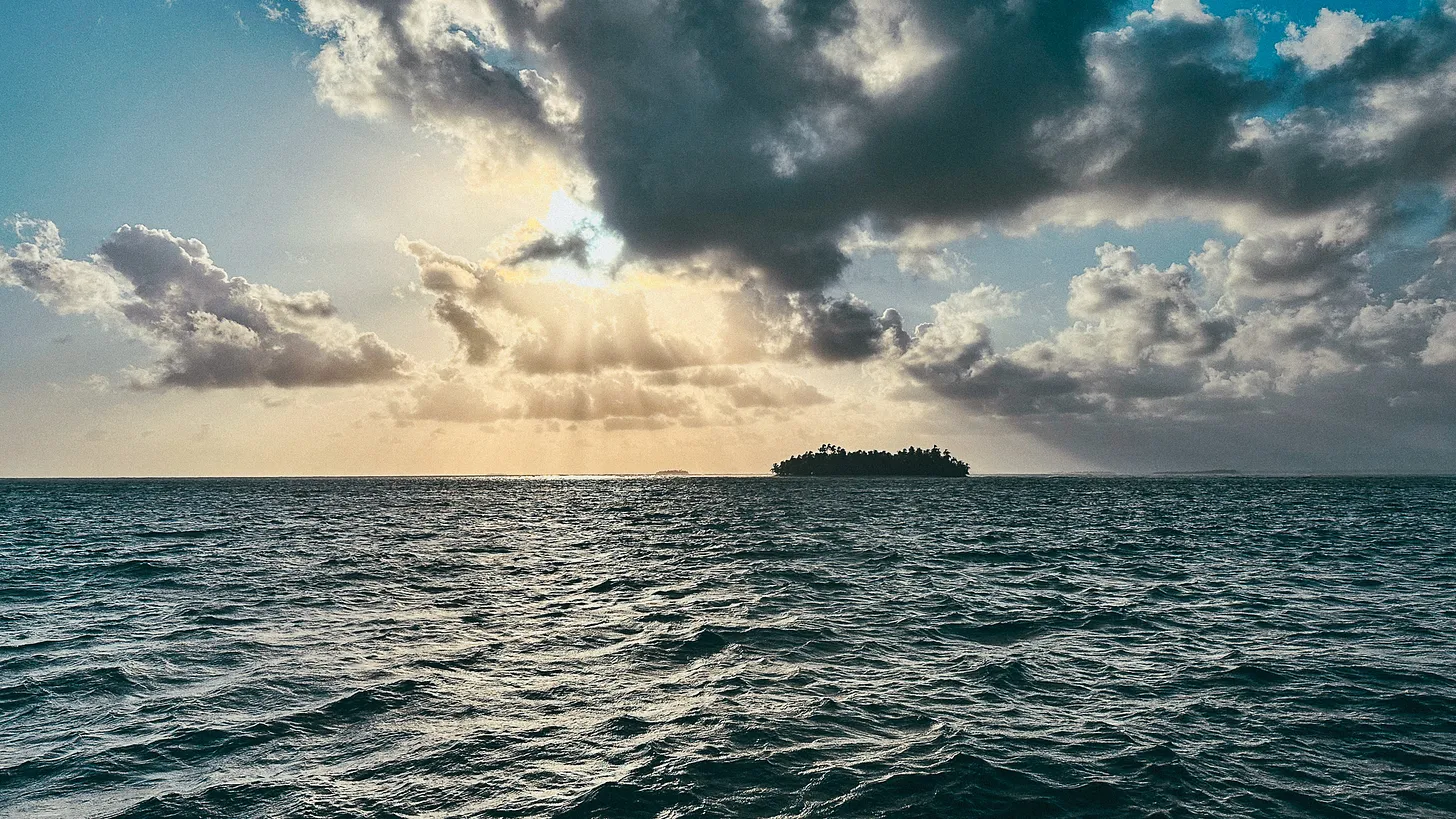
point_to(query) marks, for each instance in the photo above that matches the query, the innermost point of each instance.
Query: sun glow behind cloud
(567, 217)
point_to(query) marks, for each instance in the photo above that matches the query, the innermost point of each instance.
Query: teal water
(728, 647)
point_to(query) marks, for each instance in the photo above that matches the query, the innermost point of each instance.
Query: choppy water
(721, 647)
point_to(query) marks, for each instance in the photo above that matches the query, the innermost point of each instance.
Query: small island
(836, 461)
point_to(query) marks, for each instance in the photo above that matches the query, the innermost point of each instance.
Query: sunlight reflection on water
(716, 647)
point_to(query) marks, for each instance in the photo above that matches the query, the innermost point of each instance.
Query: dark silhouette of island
(836, 461)
(672, 472)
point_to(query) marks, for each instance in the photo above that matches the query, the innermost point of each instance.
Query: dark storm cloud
(837, 329)
(895, 337)
(1164, 113)
(718, 127)
(765, 130)
(550, 247)
(1177, 111)
(1402, 49)
(733, 126)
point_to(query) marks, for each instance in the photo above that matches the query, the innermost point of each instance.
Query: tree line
(831, 460)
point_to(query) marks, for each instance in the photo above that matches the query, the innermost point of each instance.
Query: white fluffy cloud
(1334, 36)
(1193, 10)
(1149, 341)
(1284, 267)
(212, 329)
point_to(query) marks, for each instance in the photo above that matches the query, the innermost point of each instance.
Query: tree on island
(830, 460)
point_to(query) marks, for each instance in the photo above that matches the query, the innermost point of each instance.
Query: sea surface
(1018, 647)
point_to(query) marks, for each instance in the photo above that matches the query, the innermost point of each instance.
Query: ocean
(720, 647)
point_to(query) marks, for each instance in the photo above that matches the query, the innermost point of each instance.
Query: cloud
(1150, 342)
(745, 153)
(919, 252)
(618, 400)
(212, 329)
(554, 326)
(1141, 314)
(1192, 10)
(591, 399)
(1334, 37)
(558, 312)
(836, 329)
(477, 343)
(1286, 267)
(67, 286)
(747, 388)
(1385, 420)
(756, 130)
(1441, 345)
(553, 337)
(423, 59)
(548, 247)
(959, 337)
(767, 133)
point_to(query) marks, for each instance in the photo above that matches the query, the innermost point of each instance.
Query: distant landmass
(672, 472)
(1192, 472)
(836, 461)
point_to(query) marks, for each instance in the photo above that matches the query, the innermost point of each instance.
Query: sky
(341, 237)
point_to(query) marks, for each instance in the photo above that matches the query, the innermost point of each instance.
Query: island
(671, 473)
(836, 461)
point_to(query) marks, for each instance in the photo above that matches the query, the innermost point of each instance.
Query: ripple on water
(891, 648)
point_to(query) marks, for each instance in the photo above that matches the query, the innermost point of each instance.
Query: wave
(1001, 647)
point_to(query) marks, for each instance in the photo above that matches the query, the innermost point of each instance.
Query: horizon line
(1173, 473)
